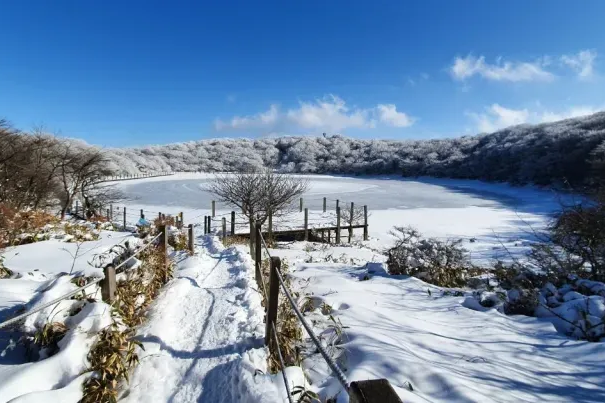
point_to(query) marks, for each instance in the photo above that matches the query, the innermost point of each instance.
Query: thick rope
(281, 363)
(71, 293)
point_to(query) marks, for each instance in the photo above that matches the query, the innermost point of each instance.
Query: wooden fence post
(107, 215)
(306, 224)
(224, 229)
(372, 391)
(365, 222)
(142, 215)
(325, 203)
(213, 208)
(181, 219)
(337, 204)
(273, 301)
(164, 243)
(351, 221)
(209, 224)
(301, 204)
(205, 224)
(108, 284)
(190, 233)
(270, 231)
(257, 253)
(337, 225)
(233, 223)
(124, 214)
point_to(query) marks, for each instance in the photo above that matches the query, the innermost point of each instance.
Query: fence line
(70, 294)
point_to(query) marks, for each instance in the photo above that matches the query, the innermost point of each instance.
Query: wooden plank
(373, 391)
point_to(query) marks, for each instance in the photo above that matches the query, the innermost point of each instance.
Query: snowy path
(198, 330)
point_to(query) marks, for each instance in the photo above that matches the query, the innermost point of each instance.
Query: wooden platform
(321, 234)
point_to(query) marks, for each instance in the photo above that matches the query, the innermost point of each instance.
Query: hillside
(571, 150)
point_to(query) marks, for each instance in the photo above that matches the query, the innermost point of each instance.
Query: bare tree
(258, 193)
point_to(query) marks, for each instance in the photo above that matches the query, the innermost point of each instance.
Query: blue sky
(150, 72)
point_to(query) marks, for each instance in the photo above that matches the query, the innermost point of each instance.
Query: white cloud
(330, 114)
(498, 117)
(469, 66)
(582, 63)
(260, 120)
(573, 112)
(389, 115)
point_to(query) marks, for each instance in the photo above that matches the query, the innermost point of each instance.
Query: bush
(443, 263)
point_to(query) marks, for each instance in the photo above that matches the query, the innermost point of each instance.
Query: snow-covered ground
(204, 340)
(430, 347)
(203, 337)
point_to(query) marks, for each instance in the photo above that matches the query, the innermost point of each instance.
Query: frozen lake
(378, 193)
(498, 220)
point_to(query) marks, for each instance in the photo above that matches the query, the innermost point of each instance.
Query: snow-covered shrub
(444, 263)
(522, 301)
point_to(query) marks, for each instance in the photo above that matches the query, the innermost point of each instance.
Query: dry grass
(15, 223)
(178, 241)
(235, 240)
(111, 358)
(114, 354)
(49, 336)
(4, 272)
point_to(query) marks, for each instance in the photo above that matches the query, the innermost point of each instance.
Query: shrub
(444, 263)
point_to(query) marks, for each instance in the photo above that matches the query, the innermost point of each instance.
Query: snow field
(432, 348)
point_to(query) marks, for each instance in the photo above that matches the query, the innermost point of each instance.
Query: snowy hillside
(551, 153)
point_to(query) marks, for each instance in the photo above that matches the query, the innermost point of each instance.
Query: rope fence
(97, 280)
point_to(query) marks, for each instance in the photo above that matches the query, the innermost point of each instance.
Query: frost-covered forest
(571, 150)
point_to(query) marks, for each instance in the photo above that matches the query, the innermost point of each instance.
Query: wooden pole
(337, 204)
(181, 219)
(337, 225)
(306, 224)
(108, 284)
(257, 253)
(209, 224)
(205, 224)
(301, 204)
(351, 222)
(142, 215)
(107, 215)
(273, 301)
(164, 243)
(190, 233)
(232, 223)
(224, 229)
(325, 204)
(124, 216)
(365, 223)
(270, 225)
(213, 208)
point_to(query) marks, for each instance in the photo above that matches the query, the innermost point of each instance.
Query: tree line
(566, 153)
